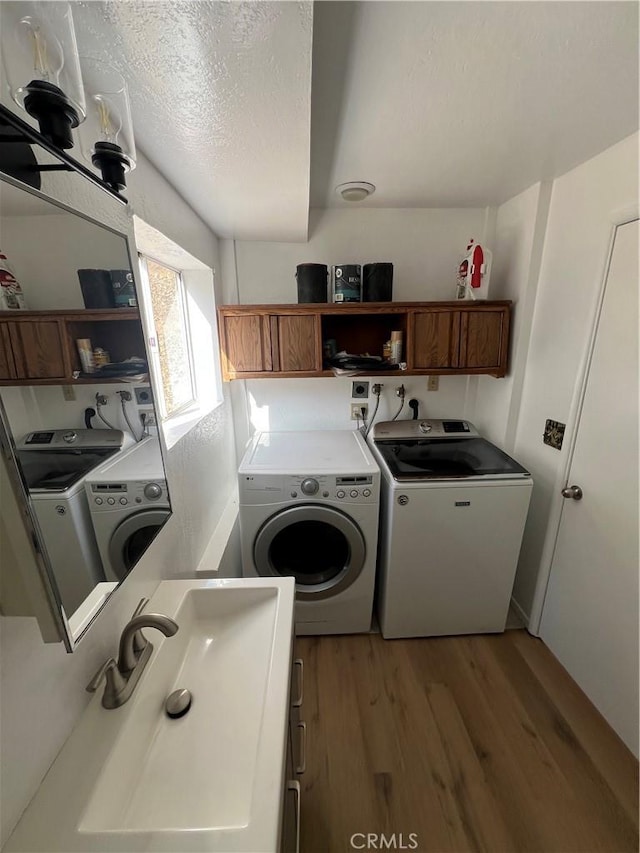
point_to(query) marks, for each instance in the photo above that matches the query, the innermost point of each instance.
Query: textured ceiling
(221, 100)
(466, 104)
(256, 110)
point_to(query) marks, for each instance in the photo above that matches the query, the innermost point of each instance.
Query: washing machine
(309, 504)
(54, 465)
(129, 504)
(453, 511)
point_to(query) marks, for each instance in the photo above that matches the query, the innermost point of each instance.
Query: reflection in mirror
(76, 398)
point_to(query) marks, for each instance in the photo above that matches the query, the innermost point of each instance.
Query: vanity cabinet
(295, 762)
(39, 347)
(259, 341)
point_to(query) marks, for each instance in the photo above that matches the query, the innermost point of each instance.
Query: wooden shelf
(286, 341)
(39, 347)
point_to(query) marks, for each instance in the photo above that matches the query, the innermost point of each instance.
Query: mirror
(76, 402)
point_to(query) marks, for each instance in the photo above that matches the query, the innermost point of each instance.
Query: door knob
(574, 492)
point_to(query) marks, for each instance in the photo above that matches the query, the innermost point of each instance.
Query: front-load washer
(309, 505)
(453, 510)
(129, 503)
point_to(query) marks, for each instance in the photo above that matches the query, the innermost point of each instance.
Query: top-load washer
(453, 512)
(54, 465)
(129, 503)
(309, 505)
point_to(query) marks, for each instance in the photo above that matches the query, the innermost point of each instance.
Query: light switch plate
(69, 393)
(554, 434)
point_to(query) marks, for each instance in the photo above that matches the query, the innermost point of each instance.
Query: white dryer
(129, 503)
(309, 506)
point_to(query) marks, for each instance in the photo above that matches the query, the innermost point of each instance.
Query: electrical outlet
(357, 413)
(69, 393)
(144, 397)
(147, 417)
(433, 383)
(359, 390)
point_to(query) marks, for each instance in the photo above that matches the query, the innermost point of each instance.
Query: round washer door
(132, 537)
(322, 548)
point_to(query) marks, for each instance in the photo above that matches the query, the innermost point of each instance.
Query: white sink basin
(211, 780)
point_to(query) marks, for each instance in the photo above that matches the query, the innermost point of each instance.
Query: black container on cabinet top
(377, 282)
(312, 282)
(97, 290)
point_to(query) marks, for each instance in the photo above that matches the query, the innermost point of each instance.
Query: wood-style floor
(472, 743)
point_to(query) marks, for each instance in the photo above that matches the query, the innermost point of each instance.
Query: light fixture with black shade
(106, 137)
(40, 59)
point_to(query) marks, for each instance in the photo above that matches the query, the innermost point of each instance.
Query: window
(178, 306)
(171, 333)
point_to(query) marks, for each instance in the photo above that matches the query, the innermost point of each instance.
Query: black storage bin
(312, 282)
(97, 290)
(377, 282)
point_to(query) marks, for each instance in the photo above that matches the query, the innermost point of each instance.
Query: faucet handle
(115, 683)
(139, 639)
(141, 606)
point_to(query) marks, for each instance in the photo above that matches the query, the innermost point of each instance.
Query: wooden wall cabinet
(269, 343)
(443, 338)
(39, 347)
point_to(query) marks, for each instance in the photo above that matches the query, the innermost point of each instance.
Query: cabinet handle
(299, 662)
(295, 787)
(300, 769)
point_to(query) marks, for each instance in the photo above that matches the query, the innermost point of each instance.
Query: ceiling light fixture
(40, 59)
(355, 190)
(106, 137)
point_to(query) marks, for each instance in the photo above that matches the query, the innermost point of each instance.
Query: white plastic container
(11, 296)
(474, 272)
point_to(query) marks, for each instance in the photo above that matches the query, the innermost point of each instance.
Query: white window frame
(161, 404)
(198, 289)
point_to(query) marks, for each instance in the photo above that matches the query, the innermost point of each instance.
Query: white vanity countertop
(84, 787)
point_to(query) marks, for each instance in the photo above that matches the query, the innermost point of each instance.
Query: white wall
(583, 203)
(517, 249)
(42, 687)
(44, 407)
(48, 269)
(425, 247)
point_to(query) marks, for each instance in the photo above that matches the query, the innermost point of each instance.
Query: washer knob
(70, 437)
(353, 493)
(340, 493)
(123, 501)
(309, 486)
(99, 501)
(366, 493)
(111, 501)
(424, 426)
(152, 491)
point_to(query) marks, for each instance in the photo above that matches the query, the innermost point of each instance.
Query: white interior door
(590, 615)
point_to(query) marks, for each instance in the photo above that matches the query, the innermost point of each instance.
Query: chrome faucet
(134, 652)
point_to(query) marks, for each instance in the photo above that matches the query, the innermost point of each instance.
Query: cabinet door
(483, 339)
(436, 337)
(296, 348)
(7, 366)
(38, 349)
(244, 348)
